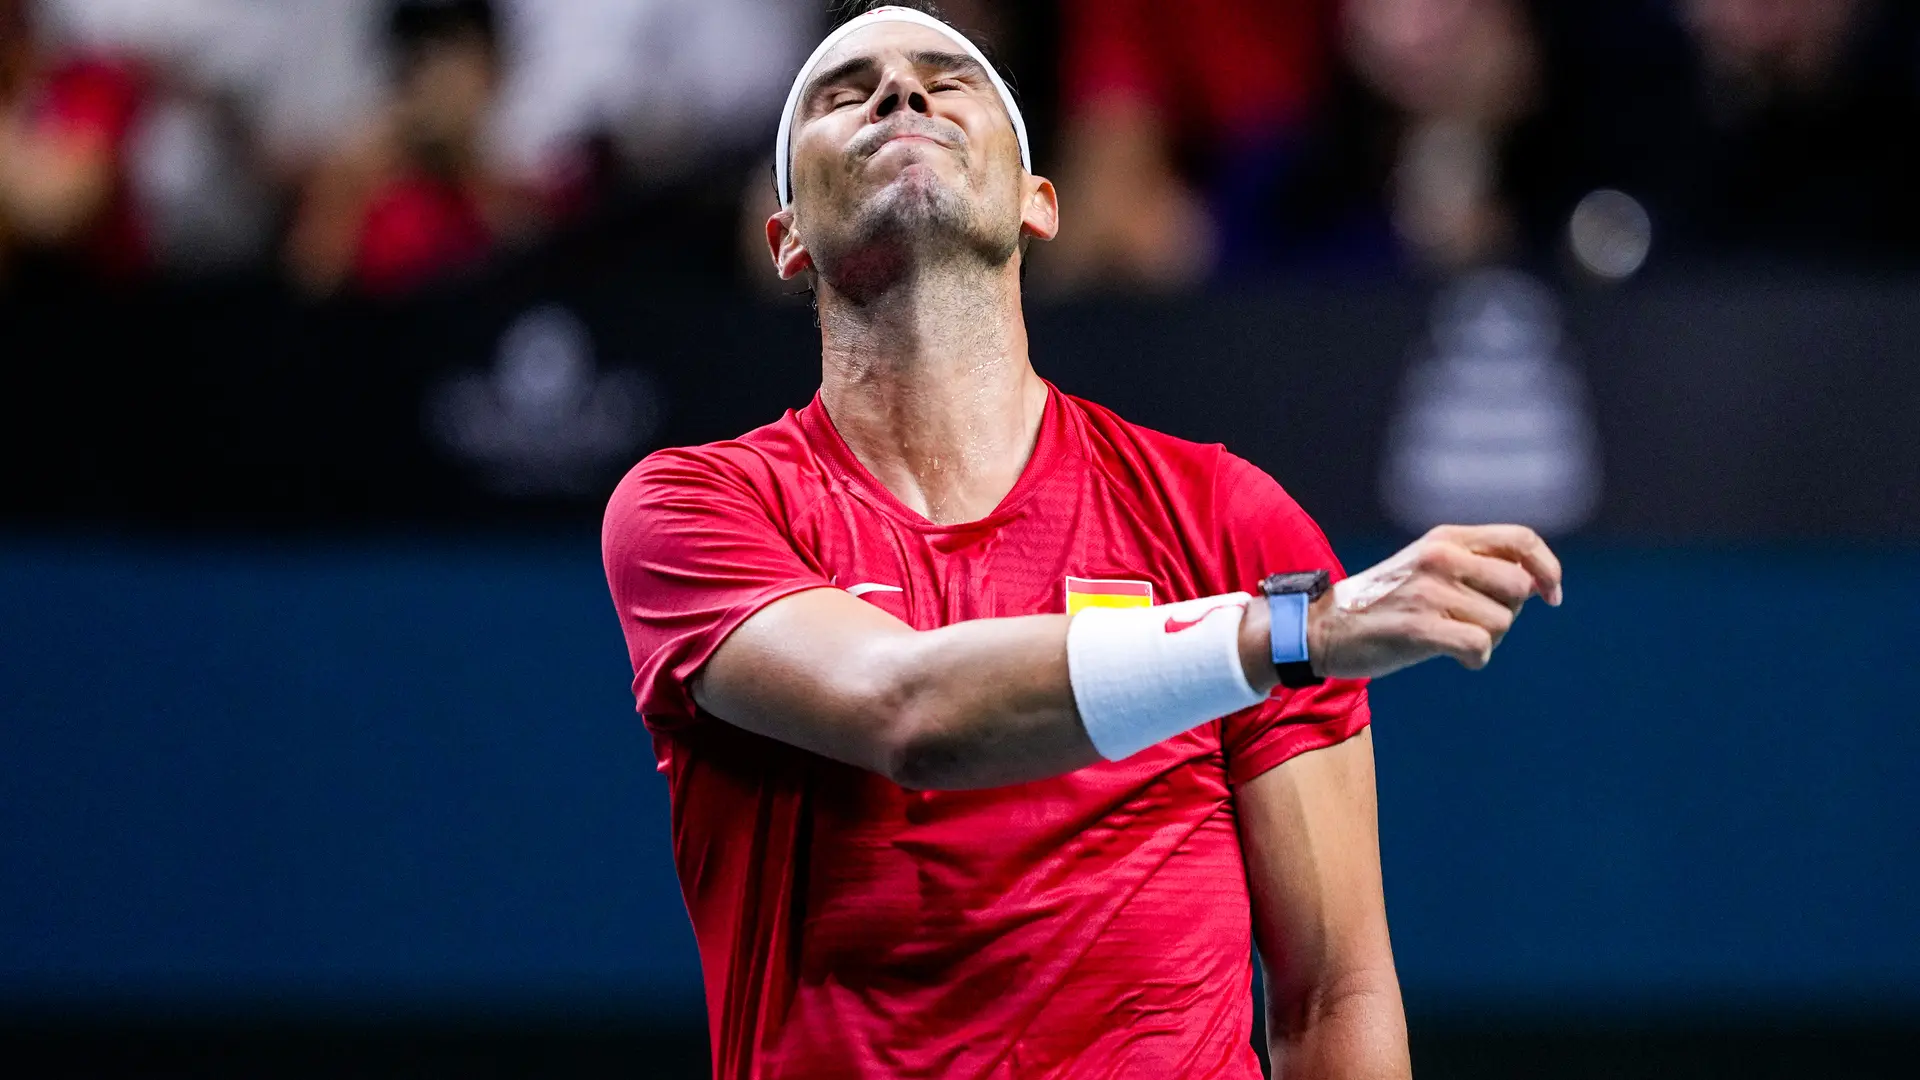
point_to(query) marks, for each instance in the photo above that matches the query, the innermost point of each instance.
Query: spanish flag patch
(1083, 593)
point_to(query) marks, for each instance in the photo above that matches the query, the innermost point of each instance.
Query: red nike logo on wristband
(1174, 625)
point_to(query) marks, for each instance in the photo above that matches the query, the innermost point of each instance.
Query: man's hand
(1454, 592)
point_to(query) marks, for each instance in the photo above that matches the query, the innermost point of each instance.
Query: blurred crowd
(380, 146)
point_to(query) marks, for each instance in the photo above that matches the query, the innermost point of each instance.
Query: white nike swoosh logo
(866, 587)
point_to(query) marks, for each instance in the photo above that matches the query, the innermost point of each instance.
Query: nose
(900, 88)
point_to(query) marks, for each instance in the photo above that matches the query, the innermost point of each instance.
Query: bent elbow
(919, 761)
(1362, 999)
(917, 749)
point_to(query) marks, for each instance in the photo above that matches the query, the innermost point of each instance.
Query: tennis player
(998, 730)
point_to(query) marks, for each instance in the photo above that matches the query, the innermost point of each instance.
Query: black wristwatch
(1288, 598)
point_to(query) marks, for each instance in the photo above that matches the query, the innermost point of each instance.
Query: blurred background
(326, 327)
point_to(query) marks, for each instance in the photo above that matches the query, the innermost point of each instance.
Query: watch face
(1311, 582)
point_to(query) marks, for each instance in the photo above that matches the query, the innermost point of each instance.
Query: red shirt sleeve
(1266, 532)
(694, 544)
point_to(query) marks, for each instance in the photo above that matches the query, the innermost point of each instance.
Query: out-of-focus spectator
(1773, 44)
(1777, 130)
(1170, 108)
(1441, 134)
(242, 95)
(201, 179)
(1262, 134)
(65, 124)
(683, 95)
(416, 197)
(1806, 126)
(674, 84)
(1452, 81)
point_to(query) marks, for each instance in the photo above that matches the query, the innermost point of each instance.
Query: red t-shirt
(1096, 924)
(1211, 68)
(416, 227)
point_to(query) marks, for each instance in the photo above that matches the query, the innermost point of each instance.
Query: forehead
(882, 41)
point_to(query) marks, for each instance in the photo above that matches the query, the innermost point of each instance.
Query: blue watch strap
(1287, 627)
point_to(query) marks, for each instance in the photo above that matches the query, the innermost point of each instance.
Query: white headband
(783, 145)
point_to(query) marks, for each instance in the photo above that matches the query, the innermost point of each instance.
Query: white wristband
(1143, 675)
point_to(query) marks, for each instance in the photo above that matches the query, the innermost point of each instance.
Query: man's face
(1764, 32)
(899, 136)
(447, 90)
(1426, 56)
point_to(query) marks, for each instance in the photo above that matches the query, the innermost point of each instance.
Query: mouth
(909, 137)
(929, 140)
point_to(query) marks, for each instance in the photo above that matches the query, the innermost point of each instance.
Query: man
(414, 198)
(65, 128)
(952, 797)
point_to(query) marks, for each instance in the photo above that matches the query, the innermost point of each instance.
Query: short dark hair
(849, 10)
(412, 25)
(16, 18)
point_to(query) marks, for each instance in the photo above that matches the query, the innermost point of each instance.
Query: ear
(790, 255)
(1040, 215)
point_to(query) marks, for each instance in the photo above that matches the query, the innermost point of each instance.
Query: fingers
(1516, 544)
(1471, 645)
(1461, 604)
(1506, 582)
(1460, 622)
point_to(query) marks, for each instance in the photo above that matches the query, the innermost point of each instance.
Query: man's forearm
(988, 703)
(982, 704)
(996, 701)
(977, 704)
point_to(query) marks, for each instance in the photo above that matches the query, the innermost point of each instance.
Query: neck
(930, 385)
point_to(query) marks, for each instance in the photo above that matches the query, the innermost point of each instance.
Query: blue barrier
(408, 775)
